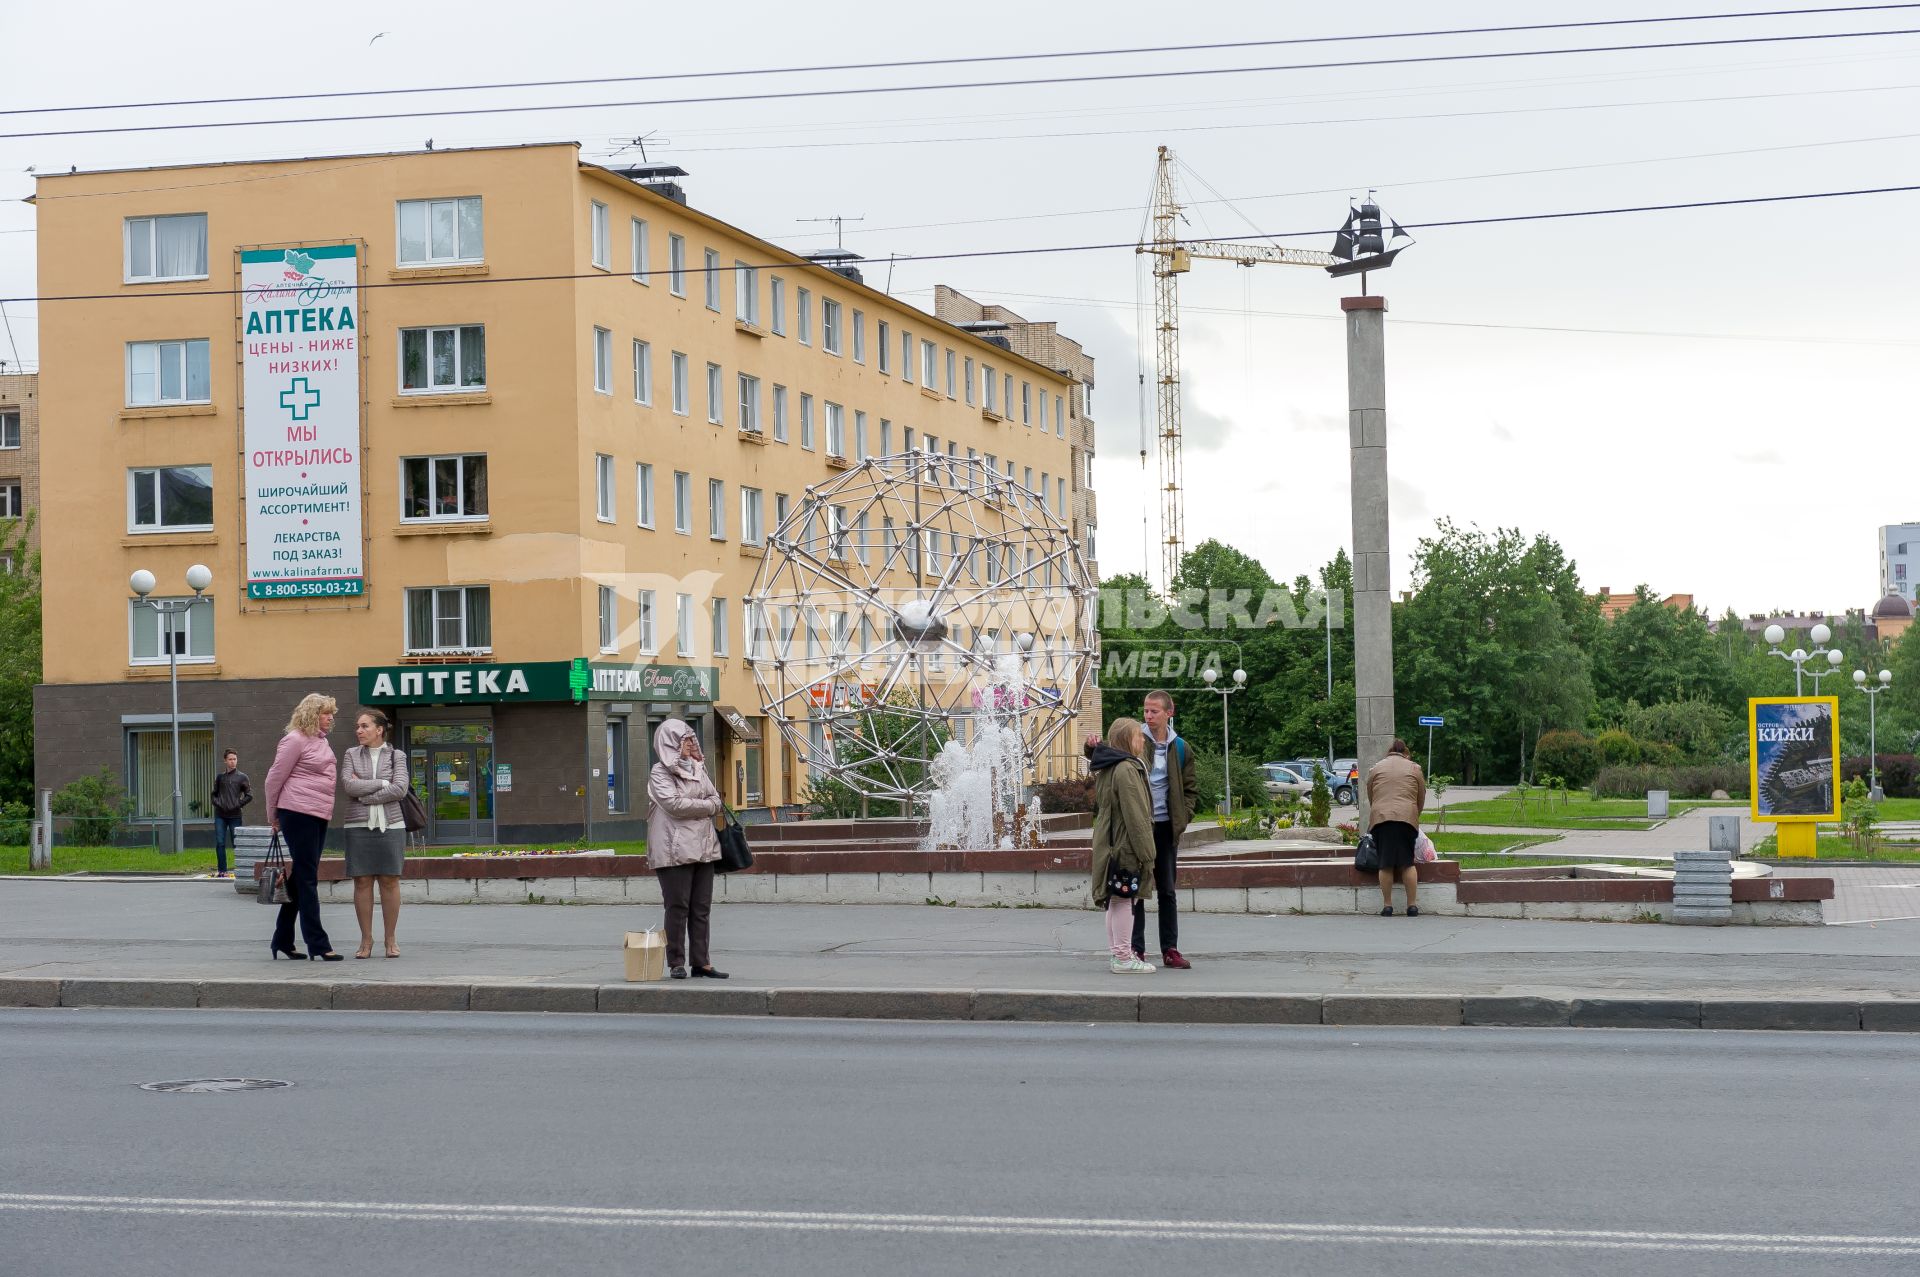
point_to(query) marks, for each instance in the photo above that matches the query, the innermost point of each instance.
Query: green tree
(19, 660)
(1654, 654)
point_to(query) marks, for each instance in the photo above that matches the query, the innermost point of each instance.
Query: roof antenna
(839, 227)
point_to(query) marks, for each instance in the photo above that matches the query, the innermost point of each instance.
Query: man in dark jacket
(1170, 778)
(232, 791)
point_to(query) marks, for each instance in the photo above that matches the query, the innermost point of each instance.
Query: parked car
(1285, 782)
(1343, 781)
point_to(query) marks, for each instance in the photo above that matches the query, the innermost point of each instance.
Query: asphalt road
(559, 1145)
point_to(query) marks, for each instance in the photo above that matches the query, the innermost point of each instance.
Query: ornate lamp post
(1800, 656)
(199, 577)
(1210, 677)
(1862, 684)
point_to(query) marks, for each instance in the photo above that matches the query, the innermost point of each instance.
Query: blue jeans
(222, 833)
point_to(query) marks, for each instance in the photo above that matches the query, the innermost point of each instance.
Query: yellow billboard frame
(1794, 836)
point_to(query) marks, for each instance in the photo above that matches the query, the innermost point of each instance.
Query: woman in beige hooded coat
(682, 845)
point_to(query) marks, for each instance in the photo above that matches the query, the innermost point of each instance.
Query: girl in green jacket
(1122, 832)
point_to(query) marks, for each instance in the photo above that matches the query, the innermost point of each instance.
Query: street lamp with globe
(1800, 656)
(1210, 676)
(1861, 683)
(142, 582)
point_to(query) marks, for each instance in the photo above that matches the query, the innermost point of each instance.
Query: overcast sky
(1721, 402)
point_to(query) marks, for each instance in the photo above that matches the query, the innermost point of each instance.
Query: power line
(802, 264)
(11, 343)
(871, 90)
(970, 60)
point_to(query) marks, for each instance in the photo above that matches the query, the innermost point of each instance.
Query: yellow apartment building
(19, 464)
(493, 439)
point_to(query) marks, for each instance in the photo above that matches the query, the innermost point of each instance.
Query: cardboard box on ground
(646, 954)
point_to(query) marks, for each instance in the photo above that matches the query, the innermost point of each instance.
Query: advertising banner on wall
(1794, 744)
(300, 333)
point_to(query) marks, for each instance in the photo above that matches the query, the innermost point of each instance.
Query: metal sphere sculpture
(913, 601)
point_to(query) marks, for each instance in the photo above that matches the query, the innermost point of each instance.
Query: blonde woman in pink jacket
(300, 787)
(682, 845)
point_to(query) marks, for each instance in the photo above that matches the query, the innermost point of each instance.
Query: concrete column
(1372, 589)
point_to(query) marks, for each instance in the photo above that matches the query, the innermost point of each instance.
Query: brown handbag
(413, 812)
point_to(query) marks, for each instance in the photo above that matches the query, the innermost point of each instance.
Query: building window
(160, 372)
(642, 252)
(863, 548)
(683, 625)
(439, 232)
(603, 361)
(1006, 398)
(11, 505)
(779, 414)
(441, 360)
(746, 293)
(643, 493)
(1092, 553)
(713, 280)
(780, 506)
(9, 430)
(803, 316)
(192, 633)
(1059, 417)
(1060, 497)
(886, 437)
(1043, 410)
(1027, 481)
(677, 265)
(716, 510)
(859, 337)
(170, 499)
(163, 248)
(836, 430)
(884, 340)
(777, 303)
(150, 771)
(603, 487)
(953, 389)
(929, 364)
(602, 236)
(859, 435)
(751, 515)
(830, 325)
(643, 622)
(682, 501)
(609, 623)
(443, 489)
(967, 378)
(680, 390)
(1026, 403)
(719, 627)
(750, 403)
(906, 357)
(806, 422)
(989, 388)
(715, 412)
(456, 618)
(1045, 490)
(642, 372)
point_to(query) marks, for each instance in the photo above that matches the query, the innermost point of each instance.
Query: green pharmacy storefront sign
(613, 682)
(531, 682)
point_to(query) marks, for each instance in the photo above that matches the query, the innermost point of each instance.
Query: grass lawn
(1452, 845)
(1573, 810)
(199, 860)
(1840, 847)
(1900, 809)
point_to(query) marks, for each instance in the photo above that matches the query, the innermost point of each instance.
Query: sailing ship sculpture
(1361, 243)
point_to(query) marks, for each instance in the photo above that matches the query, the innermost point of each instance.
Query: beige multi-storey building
(492, 439)
(19, 464)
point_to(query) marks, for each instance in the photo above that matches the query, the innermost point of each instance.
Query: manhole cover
(203, 1084)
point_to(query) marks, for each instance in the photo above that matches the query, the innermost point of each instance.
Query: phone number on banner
(303, 589)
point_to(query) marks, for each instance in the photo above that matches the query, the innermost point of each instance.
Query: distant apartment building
(491, 439)
(1613, 604)
(19, 463)
(1900, 560)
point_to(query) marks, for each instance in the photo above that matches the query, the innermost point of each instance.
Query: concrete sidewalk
(207, 947)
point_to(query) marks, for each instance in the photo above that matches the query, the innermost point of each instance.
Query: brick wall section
(20, 392)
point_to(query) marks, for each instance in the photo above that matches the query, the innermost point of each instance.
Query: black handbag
(734, 853)
(1366, 856)
(413, 812)
(1122, 883)
(271, 874)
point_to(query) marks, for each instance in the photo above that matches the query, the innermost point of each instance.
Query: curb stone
(1884, 1015)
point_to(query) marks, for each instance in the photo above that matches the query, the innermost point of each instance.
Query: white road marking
(1822, 1244)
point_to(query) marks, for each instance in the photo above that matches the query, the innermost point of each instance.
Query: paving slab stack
(1702, 888)
(250, 844)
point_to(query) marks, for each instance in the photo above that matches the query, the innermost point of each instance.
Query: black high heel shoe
(290, 952)
(330, 956)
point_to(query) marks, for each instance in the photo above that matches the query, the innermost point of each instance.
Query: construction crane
(1173, 257)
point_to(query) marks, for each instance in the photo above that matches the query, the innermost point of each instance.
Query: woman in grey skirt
(374, 776)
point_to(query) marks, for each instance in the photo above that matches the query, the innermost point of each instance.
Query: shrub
(1249, 783)
(1689, 780)
(16, 819)
(1617, 749)
(1320, 804)
(1072, 794)
(1899, 774)
(97, 806)
(1698, 730)
(1569, 754)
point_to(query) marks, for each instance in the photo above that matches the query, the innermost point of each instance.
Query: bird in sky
(370, 42)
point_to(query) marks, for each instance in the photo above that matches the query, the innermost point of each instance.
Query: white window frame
(716, 409)
(746, 293)
(969, 378)
(182, 351)
(642, 372)
(682, 390)
(836, 430)
(602, 360)
(643, 494)
(150, 224)
(603, 503)
(803, 316)
(640, 238)
(830, 312)
(952, 375)
(460, 256)
(161, 528)
(1026, 403)
(683, 503)
(779, 413)
(683, 625)
(806, 422)
(712, 260)
(752, 516)
(184, 626)
(460, 460)
(1059, 417)
(883, 342)
(859, 435)
(677, 265)
(906, 356)
(749, 403)
(777, 304)
(18, 433)
(859, 337)
(609, 620)
(600, 227)
(716, 509)
(643, 623)
(459, 332)
(717, 625)
(441, 593)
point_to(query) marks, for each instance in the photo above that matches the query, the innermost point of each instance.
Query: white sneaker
(1130, 966)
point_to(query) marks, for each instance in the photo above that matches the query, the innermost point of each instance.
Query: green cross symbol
(299, 398)
(579, 678)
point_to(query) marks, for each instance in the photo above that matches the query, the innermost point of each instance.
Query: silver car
(1284, 782)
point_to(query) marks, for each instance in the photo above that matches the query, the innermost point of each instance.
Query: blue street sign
(1432, 720)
